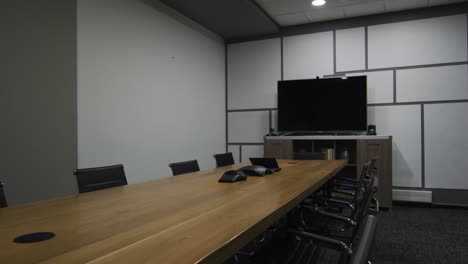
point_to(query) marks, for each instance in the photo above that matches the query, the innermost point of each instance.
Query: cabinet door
(280, 149)
(381, 151)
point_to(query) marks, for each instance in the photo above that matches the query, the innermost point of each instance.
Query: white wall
(151, 88)
(406, 82)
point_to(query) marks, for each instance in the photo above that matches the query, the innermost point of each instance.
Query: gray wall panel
(426, 41)
(251, 152)
(446, 143)
(248, 126)
(432, 84)
(235, 153)
(350, 49)
(308, 56)
(379, 86)
(403, 123)
(38, 99)
(254, 69)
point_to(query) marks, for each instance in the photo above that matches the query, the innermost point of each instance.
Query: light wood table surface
(189, 218)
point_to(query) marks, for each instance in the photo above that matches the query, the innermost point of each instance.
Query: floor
(418, 234)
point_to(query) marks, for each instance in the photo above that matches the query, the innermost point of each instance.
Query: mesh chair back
(3, 201)
(224, 159)
(184, 167)
(93, 179)
(366, 172)
(372, 186)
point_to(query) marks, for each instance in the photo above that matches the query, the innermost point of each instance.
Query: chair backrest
(224, 159)
(371, 187)
(363, 242)
(93, 179)
(367, 170)
(3, 201)
(184, 167)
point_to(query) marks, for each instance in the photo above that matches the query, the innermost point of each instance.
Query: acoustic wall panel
(308, 56)
(253, 71)
(425, 41)
(235, 152)
(379, 86)
(432, 84)
(247, 127)
(446, 142)
(403, 123)
(350, 49)
(249, 151)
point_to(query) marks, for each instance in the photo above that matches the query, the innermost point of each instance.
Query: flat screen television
(323, 106)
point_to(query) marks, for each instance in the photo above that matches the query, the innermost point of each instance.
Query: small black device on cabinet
(371, 130)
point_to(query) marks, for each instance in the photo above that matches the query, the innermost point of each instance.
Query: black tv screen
(323, 105)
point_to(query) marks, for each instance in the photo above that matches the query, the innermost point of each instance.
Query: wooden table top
(184, 219)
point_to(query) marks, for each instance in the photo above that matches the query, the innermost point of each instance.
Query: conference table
(189, 218)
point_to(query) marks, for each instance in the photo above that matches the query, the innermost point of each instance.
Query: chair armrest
(375, 206)
(348, 180)
(346, 186)
(343, 192)
(337, 202)
(336, 242)
(335, 216)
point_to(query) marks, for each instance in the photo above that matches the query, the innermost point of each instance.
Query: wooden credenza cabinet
(360, 148)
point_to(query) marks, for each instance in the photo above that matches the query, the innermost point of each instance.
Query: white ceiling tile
(325, 14)
(343, 3)
(291, 19)
(286, 7)
(364, 9)
(288, 12)
(397, 5)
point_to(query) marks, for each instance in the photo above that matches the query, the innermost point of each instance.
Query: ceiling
(244, 19)
(295, 12)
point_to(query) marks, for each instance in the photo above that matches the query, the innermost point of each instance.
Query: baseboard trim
(412, 196)
(429, 205)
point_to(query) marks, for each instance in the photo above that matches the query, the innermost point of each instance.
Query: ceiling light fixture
(318, 2)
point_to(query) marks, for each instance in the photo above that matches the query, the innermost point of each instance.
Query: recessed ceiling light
(318, 2)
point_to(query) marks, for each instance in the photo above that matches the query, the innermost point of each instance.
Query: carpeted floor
(408, 234)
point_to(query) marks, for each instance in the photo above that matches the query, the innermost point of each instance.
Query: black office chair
(319, 220)
(313, 248)
(347, 189)
(94, 179)
(224, 159)
(3, 201)
(325, 247)
(289, 245)
(184, 167)
(351, 183)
